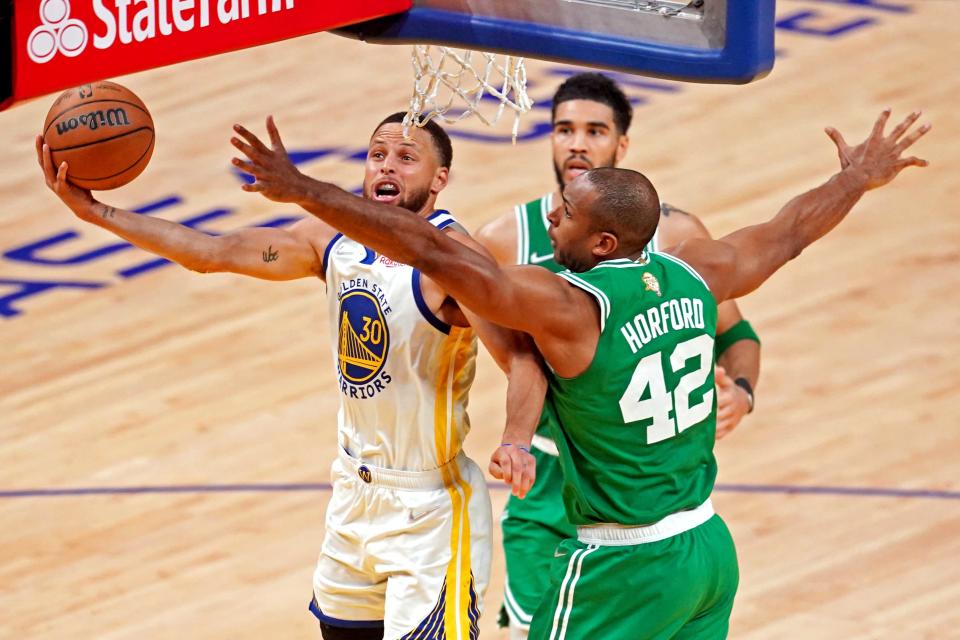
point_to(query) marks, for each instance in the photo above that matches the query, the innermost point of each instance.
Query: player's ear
(605, 244)
(622, 145)
(440, 178)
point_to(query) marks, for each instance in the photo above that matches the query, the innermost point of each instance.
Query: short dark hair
(598, 88)
(441, 141)
(627, 205)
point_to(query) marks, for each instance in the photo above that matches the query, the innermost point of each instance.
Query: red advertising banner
(59, 44)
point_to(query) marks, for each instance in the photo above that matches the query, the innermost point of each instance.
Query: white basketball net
(449, 85)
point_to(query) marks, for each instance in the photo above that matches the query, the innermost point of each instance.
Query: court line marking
(875, 492)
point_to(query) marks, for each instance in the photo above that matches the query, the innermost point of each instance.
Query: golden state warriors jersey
(403, 374)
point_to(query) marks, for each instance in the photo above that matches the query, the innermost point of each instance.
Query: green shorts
(681, 588)
(532, 530)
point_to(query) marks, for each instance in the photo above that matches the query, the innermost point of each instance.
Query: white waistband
(546, 445)
(618, 535)
(395, 479)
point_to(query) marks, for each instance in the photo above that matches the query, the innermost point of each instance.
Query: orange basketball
(103, 131)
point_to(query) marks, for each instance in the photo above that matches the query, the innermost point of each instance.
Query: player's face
(571, 232)
(584, 137)
(405, 172)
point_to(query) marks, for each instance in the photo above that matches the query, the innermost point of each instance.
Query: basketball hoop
(450, 85)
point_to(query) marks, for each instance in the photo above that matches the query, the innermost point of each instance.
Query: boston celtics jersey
(533, 247)
(533, 243)
(638, 426)
(403, 374)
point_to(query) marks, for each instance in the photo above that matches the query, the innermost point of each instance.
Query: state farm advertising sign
(63, 43)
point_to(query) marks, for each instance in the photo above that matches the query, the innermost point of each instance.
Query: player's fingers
(252, 187)
(495, 470)
(912, 161)
(48, 170)
(529, 475)
(38, 143)
(838, 140)
(245, 148)
(275, 135)
(879, 125)
(901, 128)
(245, 166)
(912, 137)
(506, 464)
(62, 175)
(250, 138)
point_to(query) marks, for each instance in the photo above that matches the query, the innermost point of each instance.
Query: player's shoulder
(499, 236)
(677, 225)
(315, 232)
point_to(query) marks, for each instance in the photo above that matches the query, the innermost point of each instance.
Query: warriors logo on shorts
(363, 344)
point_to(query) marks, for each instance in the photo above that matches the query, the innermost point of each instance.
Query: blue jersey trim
(337, 622)
(326, 252)
(437, 323)
(438, 212)
(446, 223)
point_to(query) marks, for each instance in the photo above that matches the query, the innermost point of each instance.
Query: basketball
(103, 131)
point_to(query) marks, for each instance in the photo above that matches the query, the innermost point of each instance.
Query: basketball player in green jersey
(628, 336)
(591, 117)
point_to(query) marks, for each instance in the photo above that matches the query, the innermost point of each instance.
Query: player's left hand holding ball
(79, 200)
(276, 177)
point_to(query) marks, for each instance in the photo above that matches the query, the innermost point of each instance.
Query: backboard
(725, 41)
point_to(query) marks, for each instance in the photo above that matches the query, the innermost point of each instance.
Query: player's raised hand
(732, 403)
(879, 156)
(79, 200)
(516, 466)
(276, 177)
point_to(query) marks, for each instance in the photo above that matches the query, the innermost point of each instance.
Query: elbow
(210, 258)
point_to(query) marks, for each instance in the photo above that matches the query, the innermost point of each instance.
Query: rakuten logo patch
(129, 21)
(57, 32)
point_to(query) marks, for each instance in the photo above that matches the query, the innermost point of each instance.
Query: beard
(414, 200)
(570, 261)
(558, 168)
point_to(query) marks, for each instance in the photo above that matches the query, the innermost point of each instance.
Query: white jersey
(404, 375)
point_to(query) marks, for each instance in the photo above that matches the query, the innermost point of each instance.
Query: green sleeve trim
(740, 331)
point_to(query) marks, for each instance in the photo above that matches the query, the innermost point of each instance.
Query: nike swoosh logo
(536, 258)
(414, 516)
(557, 554)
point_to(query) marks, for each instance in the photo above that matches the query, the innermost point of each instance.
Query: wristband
(740, 331)
(510, 444)
(744, 384)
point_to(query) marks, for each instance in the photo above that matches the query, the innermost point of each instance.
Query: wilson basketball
(103, 131)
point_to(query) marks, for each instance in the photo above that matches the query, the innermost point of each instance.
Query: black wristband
(744, 384)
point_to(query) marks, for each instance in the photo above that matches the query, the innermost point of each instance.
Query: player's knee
(330, 632)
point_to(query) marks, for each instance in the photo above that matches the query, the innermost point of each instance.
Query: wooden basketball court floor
(163, 434)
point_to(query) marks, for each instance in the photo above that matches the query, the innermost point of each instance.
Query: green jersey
(534, 247)
(533, 243)
(635, 431)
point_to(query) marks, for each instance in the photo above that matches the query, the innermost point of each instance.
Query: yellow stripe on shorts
(455, 355)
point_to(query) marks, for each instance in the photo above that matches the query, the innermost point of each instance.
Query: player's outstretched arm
(740, 262)
(271, 254)
(527, 302)
(737, 346)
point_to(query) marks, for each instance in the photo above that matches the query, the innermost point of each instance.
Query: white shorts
(409, 548)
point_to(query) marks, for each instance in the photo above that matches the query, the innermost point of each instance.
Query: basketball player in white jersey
(591, 117)
(407, 546)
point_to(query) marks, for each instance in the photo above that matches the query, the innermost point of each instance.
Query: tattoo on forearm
(667, 209)
(108, 212)
(270, 255)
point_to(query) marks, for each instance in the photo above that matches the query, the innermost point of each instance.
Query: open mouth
(575, 166)
(386, 191)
